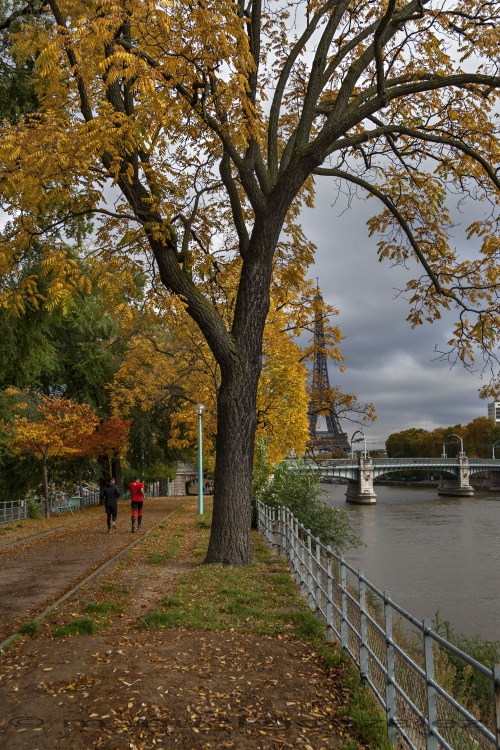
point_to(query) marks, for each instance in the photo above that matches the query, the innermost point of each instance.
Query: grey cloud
(387, 362)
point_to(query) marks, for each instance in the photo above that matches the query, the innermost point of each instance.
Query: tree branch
(234, 199)
(377, 47)
(388, 203)
(281, 84)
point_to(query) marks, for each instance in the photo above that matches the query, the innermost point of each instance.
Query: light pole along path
(199, 409)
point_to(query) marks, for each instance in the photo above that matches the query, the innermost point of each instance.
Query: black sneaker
(133, 530)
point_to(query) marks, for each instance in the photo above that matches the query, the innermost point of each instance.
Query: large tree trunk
(105, 476)
(230, 539)
(116, 469)
(239, 355)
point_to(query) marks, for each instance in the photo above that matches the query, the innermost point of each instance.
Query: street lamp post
(447, 440)
(199, 409)
(361, 439)
(497, 442)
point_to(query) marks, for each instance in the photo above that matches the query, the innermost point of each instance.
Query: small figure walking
(111, 495)
(137, 497)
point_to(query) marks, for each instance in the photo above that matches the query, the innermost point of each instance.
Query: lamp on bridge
(361, 439)
(199, 409)
(447, 441)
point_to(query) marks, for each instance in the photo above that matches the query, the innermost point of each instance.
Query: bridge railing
(403, 660)
(414, 461)
(309, 463)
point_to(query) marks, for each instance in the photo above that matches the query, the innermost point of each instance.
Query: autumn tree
(478, 436)
(212, 121)
(47, 427)
(105, 443)
(169, 364)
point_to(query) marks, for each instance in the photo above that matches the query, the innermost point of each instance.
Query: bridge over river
(361, 472)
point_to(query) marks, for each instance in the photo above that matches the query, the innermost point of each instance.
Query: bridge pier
(362, 492)
(494, 481)
(459, 487)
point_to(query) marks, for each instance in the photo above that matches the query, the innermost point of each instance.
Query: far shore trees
(478, 436)
(194, 134)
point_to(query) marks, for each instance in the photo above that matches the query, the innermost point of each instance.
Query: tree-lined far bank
(478, 437)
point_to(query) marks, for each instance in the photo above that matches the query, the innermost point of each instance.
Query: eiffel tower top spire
(333, 438)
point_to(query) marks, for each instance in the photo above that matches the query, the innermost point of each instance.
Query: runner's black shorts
(137, 505)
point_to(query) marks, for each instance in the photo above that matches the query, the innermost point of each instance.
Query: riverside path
(37, 573)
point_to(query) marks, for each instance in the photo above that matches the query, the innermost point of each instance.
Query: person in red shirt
(137, 498)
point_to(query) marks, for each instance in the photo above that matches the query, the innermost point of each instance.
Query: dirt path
(37, 573)
(177, 688)
(16, 531)
(183, 690)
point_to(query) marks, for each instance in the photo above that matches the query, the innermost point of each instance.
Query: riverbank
(401, 483)
(167, 650)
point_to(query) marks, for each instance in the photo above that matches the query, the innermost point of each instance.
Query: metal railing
(18, 510)
(403, 660)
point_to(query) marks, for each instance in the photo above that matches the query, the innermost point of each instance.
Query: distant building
(494, 411)
(185, 473)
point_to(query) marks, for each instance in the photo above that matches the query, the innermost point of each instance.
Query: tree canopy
(478, 436)
(194, 134)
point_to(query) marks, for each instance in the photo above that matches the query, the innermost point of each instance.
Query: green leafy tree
(301, 494)
(17, 93)
(87, 348)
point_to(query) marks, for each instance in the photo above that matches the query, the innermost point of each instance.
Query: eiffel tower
(332, 438)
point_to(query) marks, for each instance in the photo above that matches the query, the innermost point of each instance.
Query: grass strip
(170, 545)
(263, 599)
(29, 628)
(258, 598)
(80, 626)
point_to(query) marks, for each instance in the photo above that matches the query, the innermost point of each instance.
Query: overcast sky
(387, 362)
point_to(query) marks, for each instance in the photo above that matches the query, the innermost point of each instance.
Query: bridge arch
(448, 473)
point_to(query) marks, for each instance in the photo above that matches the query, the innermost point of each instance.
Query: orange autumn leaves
(55, 427)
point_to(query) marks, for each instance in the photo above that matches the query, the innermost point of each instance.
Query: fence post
(431, 742)
(496, 693)
(281, 530)
(303, 567)
(310, 582)
(289, 539)
(329, 599)
(390, 690)
(319, 576)
(344, 636)
(363, 651)
(296, 547)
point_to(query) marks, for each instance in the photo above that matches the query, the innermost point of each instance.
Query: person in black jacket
(111, 495)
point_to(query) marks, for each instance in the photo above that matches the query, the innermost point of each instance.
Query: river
(431, 552)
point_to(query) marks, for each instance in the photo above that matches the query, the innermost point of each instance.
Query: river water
(431, 552)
